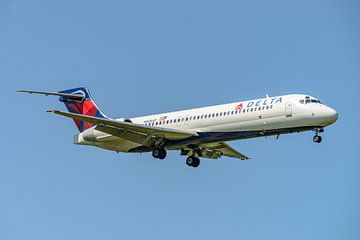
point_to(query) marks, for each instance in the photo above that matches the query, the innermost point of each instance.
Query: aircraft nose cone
(332, 115)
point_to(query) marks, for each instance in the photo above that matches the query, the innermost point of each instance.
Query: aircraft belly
(118, 145)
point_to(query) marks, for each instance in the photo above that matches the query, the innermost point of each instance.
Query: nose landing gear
(317, 138)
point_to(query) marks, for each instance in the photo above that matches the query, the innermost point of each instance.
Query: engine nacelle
(128, 120)
(89, 135)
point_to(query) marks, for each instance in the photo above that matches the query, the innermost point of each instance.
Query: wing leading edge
(106, 125)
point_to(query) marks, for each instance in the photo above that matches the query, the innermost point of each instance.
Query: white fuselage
(238, 120)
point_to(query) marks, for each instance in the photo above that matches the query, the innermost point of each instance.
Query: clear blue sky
(142, 57)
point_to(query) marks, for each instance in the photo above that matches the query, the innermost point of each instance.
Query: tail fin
(81, 103)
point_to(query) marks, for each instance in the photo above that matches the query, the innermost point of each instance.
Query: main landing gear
(317, 138)
(159, 153)
(193, 161)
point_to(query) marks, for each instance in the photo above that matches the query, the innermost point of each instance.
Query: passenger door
(288, 109)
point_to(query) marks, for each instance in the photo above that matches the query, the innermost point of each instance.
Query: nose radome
(333, 115)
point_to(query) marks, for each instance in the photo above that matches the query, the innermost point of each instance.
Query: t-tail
(81, 105)
(76, 100)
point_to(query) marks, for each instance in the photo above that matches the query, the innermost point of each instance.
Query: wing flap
(216, 150)
(230, 152)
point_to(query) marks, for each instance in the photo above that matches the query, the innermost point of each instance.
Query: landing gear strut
(317, 138)
(159, 153)
(193, 161)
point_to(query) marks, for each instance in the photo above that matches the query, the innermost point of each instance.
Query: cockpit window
(308, 100)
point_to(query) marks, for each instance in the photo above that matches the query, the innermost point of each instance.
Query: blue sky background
(143, 57)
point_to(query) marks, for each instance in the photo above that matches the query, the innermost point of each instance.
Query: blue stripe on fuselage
(207, 137)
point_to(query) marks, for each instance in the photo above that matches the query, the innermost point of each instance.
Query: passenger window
(301, 101)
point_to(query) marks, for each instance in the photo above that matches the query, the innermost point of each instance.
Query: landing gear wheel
(317, 139)
(193, 161)
(189, 161)
(159, 153)
(156, 152)
(196, 162)
(162, 154)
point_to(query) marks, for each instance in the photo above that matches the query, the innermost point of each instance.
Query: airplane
(196, 133)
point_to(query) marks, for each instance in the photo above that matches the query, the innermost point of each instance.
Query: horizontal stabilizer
(76, 97)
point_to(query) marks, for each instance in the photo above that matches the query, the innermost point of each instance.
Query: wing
(138, 133)
(147, 135)
(215, 151)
